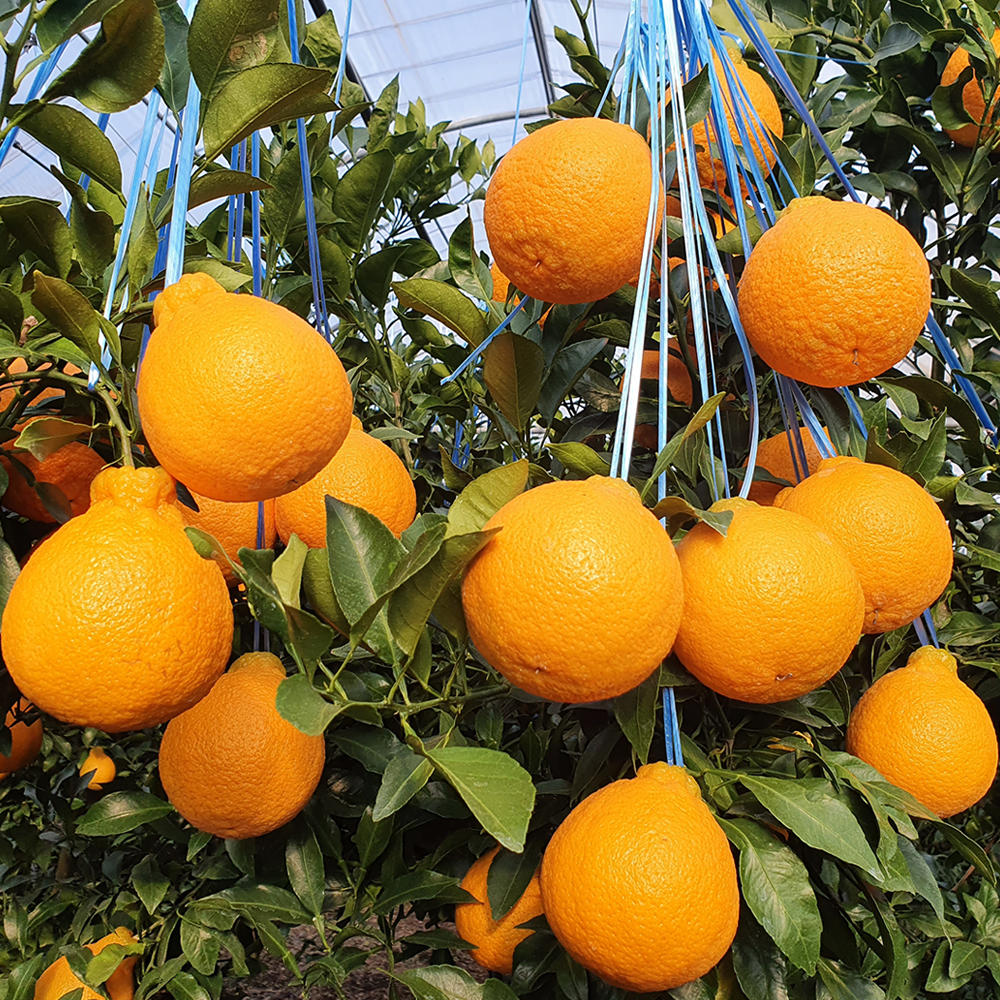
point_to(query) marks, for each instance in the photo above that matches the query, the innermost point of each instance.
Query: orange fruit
(889, 526)
(578, 598)
(495, 940)
(678, 385)
(566, 210)
(232, 766)
(365, 472)
(57, 980)
(972, 95)
(191, 288)
(501, 286)
(772, 610)
(834, 293)
(775, 455)
(239, 398)
(116, 622)
(25, 739)
(928, 733)
(720, 223)
(639, 884)
(71, 469)
(103, 768)
(232, 525)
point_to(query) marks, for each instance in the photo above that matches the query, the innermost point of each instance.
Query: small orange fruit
(25, 739)
(232, 525)
(365, 472)
(578, 598)
(102, 766)
(813, 298)
(566, 210)
(678, 385)
(639, 884)
(775, 455)
(116, 622)
(972, 96)
(495, 940)
(57, 980)
(240, 399)
(772, 610)
(928, 733)
(232, 766)
(889, 526)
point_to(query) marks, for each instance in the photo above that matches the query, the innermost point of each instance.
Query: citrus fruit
(678, 385)
(501, 286)
(566, 210)
(239, 398)
(102, 766)
(191, 288)
(889, 526)
(775, 455)
(973, 99)
(638, 882)
(57, 980)
(772, 609)
(232, 766)
(928, 733)
(232, 525)
(495, 940)
(834, 293)
(25, 739)
(578, 598)
(366, 473)
(720, 224)
(116, 622)
(70, 469)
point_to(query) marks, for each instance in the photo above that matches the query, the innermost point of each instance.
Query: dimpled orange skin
(232, 525)
(365, 472)
(772, 610)
(578, 598)
(232, 766)
(928, 733)
(116, 622)
(240, 399)
(774, 454)
(495, 940)
(25, 739)
(566, 210)
(972, 95)
(58, 980)
(639, 884)
(834, 293)
(891, 528)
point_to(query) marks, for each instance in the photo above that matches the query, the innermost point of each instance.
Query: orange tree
(849, 887)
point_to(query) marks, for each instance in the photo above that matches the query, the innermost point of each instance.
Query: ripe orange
(365, 472)
(972, 95)
(775, 455)
(639, 884)
(240, 399)
(495, 940)
(678, 385)
(720, 223)
(834, 293)
(501, 286)
(772, 610)
(578, 598)
(116, 622)
(928, 733)
(232, 766)
(889, 526)
(191, 288)
(232, 525)
(566, 210)
(57, 980)
(25, 739)
(103, 767)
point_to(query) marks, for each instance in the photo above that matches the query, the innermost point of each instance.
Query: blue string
(520, 78)
(174, 267)
(486, 343)
(39, 80)
(342, 66)
(161, 247)
(234, 161)
(258, 261)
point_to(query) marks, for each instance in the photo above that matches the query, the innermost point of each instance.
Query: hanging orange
(972, 97)
(232, 525)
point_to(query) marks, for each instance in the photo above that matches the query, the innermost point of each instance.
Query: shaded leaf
(120, 812)
(446, 304)
(404, 776)
(41, 228)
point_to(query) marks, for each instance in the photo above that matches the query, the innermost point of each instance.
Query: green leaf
(374, 273)
(485, 495)
(372, 838)
(93, 231)
(357, 198)
(41, 228)
(419, 885)
(73, 137)
(176, 71)
(65, 18)
(185, 987)
(445, 303)
(512, 371)
(925, 463)
(150, 884)
(299, 703)
(261, 97)
(304, 864)
(636, 714)
(11, 310)
(319, 593)
(121, 65)
(287, 570)
(966, 958)
(465, 266)
(440, 982)
(69, 312)
(404, 776)
(258, 902)
(922, 877)
(759, 966)
(210, 186)
(383, 113)
(567, 367)
(976, 292)
(969, 850)
(509, 876)
(497, 790)
(845, 984)
(372, 748)
(121, 812)
(46, 435)
(948, 105)
(812, 810)
(579, 458)
(9, 570)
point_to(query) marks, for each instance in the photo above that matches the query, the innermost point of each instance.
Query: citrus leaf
(509, 876)
(9, 570)
(465, 266)
(64, 18)
(404, 776)
(318, 587)
(304, 864)
(46, 435)
(41, 227)
(485, 495)
(287, 570)
(446, 304)
(512, 371)
(566, 368)
(758, 964)
(845, 984)
(150, 884)
(579, 458)
(440, 982)
(358, 196)
(185, 987)
(635, 712)
(120, 812)
(176, 73)
(299, 703)
(68, 311)
(210, 186)
(259, 902)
